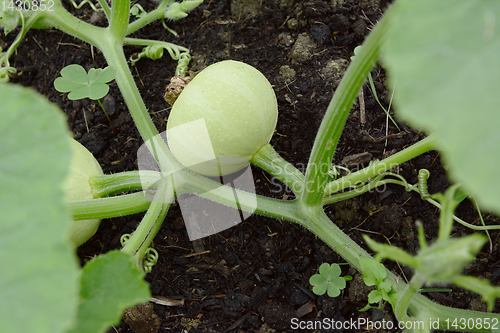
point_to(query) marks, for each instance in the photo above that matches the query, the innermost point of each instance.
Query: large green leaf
(39, 272)
(110, 283)
(443, 57)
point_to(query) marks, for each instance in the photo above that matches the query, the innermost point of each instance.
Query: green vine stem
(306, 210)
(173, 49)
(106, 185)
(419, 306)
(61, 19)
(377, 168)
(152, 16)
(189, 182)
(416, 283)
(338, 111)
(319, 224)
(381, 180)
(142, 237)
(120, 17)
(109, 207)
(27, 24)
(269, 160)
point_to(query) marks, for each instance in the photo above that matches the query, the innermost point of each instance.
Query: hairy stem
(152, 220)
(152, 16)
(381, 166)
(106, 185)
(338, 111)
(269, 160)
(109, 207)
(120, 15)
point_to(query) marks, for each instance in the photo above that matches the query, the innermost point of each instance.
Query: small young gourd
(222, 118)
(76, 187)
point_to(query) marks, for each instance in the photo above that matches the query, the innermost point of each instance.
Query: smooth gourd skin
(236, 105)
(76, 187)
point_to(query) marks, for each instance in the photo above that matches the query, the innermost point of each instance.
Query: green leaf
(391, 252)
(9, 19)
(374, 296)
(392, 297)
(317, 279)
(385, 286)
(328, 279)
(373, 272)
(333, 290)
(444, 260)
(175, 12)
(320, 289)
(39, 275)
(488, 292)
(110, 283)
(80, 84)
(189, 5)
(443, 58)
(102, 75)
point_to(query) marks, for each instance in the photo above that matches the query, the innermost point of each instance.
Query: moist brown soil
(254, 276)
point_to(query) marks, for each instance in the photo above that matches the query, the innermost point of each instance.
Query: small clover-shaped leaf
(328, 280)
(80, 84)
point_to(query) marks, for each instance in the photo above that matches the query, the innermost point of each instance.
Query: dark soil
(254, 277)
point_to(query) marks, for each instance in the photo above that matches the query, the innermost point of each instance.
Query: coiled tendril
(423, 175)
(150, 259)
(155, 52)
(80, 5)
(124, 239)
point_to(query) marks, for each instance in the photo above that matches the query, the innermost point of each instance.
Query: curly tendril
(124, 239)
(150, 259)
(82, 3)
(423, 175)
(155, 52)
(182, 64)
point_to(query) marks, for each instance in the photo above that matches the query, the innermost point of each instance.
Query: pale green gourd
(222, 118)
(76, 187)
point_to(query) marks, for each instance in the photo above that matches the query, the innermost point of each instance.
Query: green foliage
(9, 19)
(180, 10)
(446, 257)
(374, 274)
(443, 260)
(39, 289)
(392, 252)
(42, 282)
(439, 262)
(443, 59)
(109, 284)
(328, 280)
(488, 292)
(80, 84)
(442, 55)
(138, 11)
